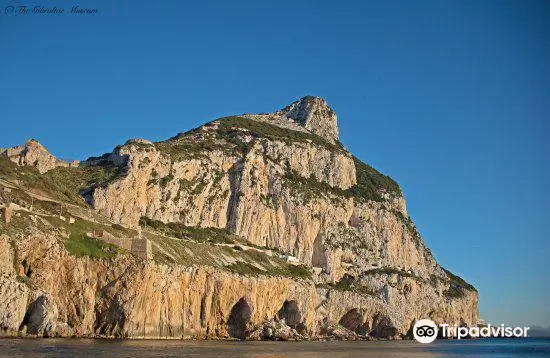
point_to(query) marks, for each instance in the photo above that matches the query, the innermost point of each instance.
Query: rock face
(34, 154)
(131, 298)
(281, 184)
(315, 115)
(13, 294)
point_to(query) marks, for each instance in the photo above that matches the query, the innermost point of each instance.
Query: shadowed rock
(239, 318)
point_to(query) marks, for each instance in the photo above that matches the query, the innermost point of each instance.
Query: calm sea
(169, 348)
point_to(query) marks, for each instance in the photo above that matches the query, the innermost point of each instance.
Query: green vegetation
(227, 138)
(244, 268)
(259, 129)
(310, 188)
(140, 145)
(459, 281)
(163, 182)
(275, 266)
(191, 145)
(370, 183)
(284, 269)
(454, 292)
(117, 227)
(18, 224)
(103, 157)
(21, 198)
(348, 283)
(457, 285)
(295, 271)
(217, 175)
(202, 250)
(63, 183)
(180, 231)
(25, 280)
(73, 182)
(248, 243)
(79, 245)
(388, 271)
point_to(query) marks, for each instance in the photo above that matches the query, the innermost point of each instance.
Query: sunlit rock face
(34, 154)
(280, 182)
(315, 115)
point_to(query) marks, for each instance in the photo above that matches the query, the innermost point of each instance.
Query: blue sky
(450, 98)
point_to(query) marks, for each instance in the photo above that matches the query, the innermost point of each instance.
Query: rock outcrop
(34, 154)
(223, 207)
(315, 115)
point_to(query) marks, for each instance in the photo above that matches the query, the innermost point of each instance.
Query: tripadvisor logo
(425, 331)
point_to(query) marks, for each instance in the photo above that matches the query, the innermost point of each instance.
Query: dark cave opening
(290, 313)
(239, 318)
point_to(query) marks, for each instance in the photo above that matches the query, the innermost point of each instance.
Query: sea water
(498, 348)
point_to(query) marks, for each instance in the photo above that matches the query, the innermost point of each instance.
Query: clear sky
(450, 98)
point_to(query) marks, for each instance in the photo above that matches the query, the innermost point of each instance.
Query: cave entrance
(290, 313)
(354, 322)
(239, 318)
(382, 327)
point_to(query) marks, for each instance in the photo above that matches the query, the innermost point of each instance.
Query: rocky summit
(260, 226)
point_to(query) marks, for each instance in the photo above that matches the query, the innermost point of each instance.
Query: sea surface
(498, 348)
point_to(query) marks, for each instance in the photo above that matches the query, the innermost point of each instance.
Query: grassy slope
(186, 245)
(63, 184)
(226, 138)
(79, 245)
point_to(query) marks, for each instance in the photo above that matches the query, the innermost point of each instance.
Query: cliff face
(256, 188)
(70, 296)
(34, 154)
(315, 115)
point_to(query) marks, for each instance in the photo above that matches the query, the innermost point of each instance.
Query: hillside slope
(257, 226)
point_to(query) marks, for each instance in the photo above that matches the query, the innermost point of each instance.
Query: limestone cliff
(228, 207)
(315, 115)
(34, 154)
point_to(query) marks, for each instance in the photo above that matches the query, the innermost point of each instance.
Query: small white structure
(292, 259)
(71, 220)
(289, 258)
(7, 190)
(62, 218)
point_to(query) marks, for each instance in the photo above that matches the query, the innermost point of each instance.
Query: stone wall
(137, 246)
(6, 214)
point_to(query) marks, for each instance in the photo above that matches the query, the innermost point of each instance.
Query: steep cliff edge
(227, 209)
